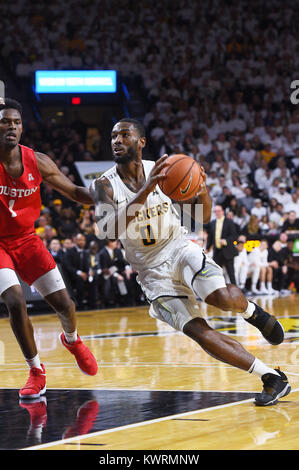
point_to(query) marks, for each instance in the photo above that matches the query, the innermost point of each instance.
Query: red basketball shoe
(35, 385)
(84, 358)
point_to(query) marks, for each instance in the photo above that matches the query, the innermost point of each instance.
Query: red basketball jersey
(20, 201)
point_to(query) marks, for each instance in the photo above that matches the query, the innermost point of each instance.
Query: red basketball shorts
(27, 256)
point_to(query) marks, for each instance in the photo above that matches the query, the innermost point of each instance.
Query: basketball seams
(195, 186)
(169, 167)
(174, 192)
(185, 175)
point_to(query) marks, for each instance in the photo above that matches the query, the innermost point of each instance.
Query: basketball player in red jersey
(22, 252)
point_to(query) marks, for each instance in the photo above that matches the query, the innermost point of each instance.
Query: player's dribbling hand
(155, 175)
(202, 188)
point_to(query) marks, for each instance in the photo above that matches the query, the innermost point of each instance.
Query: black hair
(137, 124)
(9, 103)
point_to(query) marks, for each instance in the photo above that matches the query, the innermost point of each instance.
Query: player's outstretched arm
(53, 176)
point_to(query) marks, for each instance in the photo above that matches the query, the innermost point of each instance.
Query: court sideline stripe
(135, 425)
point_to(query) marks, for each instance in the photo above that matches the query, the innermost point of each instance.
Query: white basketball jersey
(156, 230)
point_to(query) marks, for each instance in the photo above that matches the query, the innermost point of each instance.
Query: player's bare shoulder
(44, 162)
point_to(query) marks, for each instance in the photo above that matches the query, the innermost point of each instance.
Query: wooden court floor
(155, 389)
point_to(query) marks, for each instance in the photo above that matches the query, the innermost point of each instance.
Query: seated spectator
(58, 253)
(248, 200)
(55, 249)
(292, 264)
(282, 196)
(226, 171)
(248, 154)
(55, 211)
(267, 153)
(113, 265)
(135, 294)
(273, 230)
(277, 261)
(204, 145)
(259, 210)
(294, 204)
(77, 266)
(86, 220)
(237, 190)
(243, 170)
(67, 226)
(260, 175)
(252, 230)
(276, 214)
(241, 265)
(264, 225)
(232, 206)
(94, 274)
(242, 217)
(291, 225)
(260, 270)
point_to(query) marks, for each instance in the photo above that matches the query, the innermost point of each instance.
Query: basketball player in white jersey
(172, 270)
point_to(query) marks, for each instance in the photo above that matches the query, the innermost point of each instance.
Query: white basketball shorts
(170, 286)
(46, 284)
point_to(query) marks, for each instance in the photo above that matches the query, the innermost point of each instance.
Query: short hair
(9, 103)
(137, 124)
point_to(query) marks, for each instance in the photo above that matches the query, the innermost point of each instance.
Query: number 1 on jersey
(10, 206)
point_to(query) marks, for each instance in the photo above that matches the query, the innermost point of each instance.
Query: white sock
(34, 362)
(259, 368)
(269, 285)
(71, 337)
(249, 311)
(263, 287)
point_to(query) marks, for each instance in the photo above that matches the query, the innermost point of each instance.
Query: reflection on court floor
(63, 414)
(155, 389)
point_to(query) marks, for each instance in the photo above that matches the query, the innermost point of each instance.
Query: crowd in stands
(215, 78)
(95, 271)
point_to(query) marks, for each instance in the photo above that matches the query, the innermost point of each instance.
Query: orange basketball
(183, 178)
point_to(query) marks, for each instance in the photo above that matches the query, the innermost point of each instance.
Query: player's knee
(228, 298)
(66, 307)
(15, 302)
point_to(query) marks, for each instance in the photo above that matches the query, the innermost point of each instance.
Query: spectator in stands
(264, 225)
(242, 217)
(241, 264)
(248, 200)
(292, 263)
(277, 260)
(283, 197)
(67, 225)
(259, 210)
(221, 236)
(55, 249)
(294, 204)
(248, 154)
(94, 274)
(113, 265)
(291, 224)
(252, 230)
(77, 266)
(260, 270)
